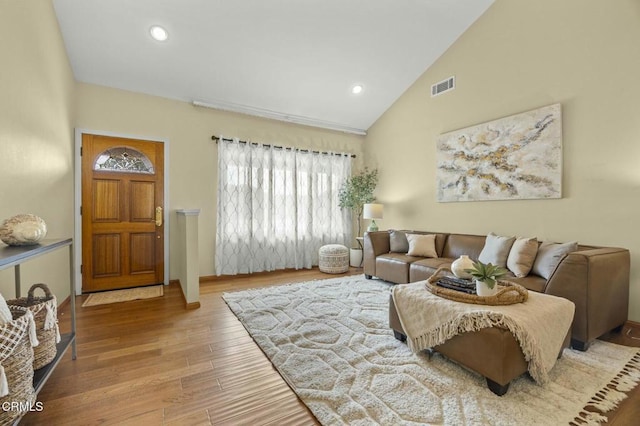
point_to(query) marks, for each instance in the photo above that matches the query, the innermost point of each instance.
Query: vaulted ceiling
(290, 59)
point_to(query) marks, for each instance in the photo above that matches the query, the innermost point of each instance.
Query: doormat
(125, 295)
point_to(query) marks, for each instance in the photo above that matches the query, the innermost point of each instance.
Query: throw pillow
(522, 255)
(5, 313)
(549, 255)
(423, 245)
(398, 242)
(496, 249)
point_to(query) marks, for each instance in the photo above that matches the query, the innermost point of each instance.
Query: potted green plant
(354, 193)
(486, 275)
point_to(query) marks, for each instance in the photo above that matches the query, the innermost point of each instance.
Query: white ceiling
(292, 57)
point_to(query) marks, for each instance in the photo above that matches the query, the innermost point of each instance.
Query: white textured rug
(331, 342)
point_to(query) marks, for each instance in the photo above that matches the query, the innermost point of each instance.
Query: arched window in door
(125, 160)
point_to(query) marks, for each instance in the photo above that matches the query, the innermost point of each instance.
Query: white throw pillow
(5, 313)
(423, 245)
(496, 249)
(522, 255)
(549, 255)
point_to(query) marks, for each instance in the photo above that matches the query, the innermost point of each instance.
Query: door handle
(158, 216)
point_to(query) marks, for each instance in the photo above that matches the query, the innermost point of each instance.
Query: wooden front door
(122, 213)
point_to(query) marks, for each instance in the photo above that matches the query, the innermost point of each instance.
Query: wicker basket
(45, 314)
(16, 360)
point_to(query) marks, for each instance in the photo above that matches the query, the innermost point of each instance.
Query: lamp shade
(372, 211)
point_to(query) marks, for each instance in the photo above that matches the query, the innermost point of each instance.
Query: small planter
(355, 257)
(484, 273)
(482, 289)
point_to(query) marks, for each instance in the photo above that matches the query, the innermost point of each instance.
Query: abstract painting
(513, 158)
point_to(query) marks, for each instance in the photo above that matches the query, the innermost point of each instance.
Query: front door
(122, 213)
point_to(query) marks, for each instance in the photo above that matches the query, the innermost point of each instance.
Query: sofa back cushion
(459, 244)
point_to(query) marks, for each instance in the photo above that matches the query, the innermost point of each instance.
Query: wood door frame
(77, 199)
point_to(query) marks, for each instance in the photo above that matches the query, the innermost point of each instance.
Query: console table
(15, 256)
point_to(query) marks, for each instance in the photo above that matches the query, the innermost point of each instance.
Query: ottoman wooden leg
(399, 336)
(497, 388)
(579, 346)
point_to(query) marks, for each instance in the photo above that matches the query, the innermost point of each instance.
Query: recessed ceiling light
(158, 33)
(357, 89)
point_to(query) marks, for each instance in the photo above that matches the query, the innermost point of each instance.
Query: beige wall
(521, 55)
(40, 105)
(36, 134)
(192, 153)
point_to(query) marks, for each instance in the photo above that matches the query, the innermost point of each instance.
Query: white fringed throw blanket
(539, 325)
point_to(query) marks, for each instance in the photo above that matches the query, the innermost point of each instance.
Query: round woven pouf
(334, 259)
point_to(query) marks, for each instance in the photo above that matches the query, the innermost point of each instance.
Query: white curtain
(277, 207)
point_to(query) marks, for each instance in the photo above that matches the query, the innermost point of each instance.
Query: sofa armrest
(597, 281)
(375, 244)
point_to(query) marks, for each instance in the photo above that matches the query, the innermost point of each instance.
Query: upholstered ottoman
(334, 259)
(493, 352)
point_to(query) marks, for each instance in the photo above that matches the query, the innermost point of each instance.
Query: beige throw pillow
(549, 255)
(422, 245)
(496, 249)
(522, 255)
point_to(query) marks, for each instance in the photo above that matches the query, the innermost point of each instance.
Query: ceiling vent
(443, 86)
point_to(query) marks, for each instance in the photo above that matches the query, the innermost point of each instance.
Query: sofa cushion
(530, 282)
(422, 245)
(394, 267)
(522, 255)
(496, 249)
(549, 255)
(398, 242)
(423, 269)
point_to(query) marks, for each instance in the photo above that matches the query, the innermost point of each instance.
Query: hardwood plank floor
(151, 362)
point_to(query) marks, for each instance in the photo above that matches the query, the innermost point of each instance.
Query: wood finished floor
(151, 362)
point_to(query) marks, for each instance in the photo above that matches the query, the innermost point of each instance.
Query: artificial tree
(357, 191)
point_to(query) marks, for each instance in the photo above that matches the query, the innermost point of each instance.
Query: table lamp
(373, 212)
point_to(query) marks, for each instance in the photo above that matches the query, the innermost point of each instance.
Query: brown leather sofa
(595, 279)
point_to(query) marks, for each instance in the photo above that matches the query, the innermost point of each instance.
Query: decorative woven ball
(23, 230)
(334, 259)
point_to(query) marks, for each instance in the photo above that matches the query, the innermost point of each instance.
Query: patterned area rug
(126, 295)
(331, 342)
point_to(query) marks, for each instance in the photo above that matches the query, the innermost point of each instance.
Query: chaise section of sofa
(595, 279)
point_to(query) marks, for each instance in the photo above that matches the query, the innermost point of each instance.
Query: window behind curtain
(277, 207)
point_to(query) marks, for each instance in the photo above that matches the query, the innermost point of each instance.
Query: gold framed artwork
(513, 158)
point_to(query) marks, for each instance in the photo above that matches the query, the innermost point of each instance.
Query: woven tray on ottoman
(17, 339)
(508, 293)
(45, 313)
